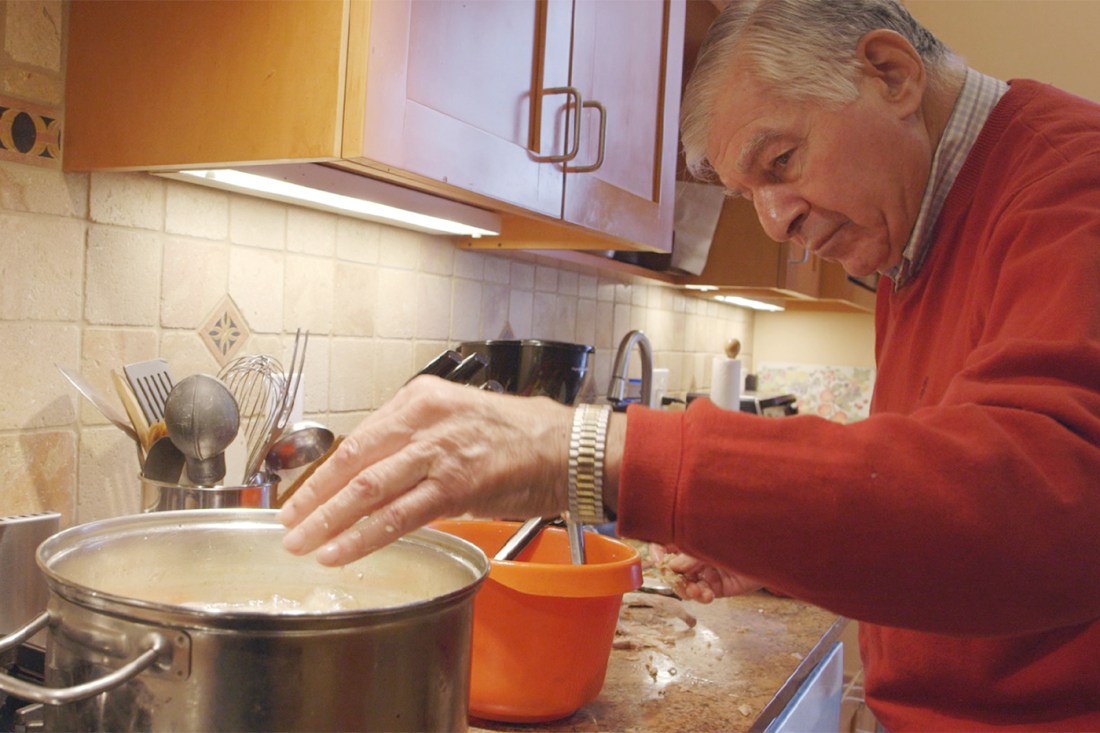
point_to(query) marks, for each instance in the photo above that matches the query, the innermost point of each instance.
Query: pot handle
(63, 695)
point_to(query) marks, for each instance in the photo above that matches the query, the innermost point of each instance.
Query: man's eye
(783, 160)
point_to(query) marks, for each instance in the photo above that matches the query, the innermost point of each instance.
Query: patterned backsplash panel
(837, 393)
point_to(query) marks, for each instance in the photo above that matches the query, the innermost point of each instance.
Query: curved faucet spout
(616, 391)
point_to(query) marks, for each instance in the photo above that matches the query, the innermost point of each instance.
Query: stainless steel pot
(198, 620)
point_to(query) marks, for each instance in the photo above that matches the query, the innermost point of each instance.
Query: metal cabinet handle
(576, 95)
(603, 138)
(63, 695)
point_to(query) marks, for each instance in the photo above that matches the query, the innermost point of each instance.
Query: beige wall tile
(33, 32)
(35, 394)
(521, 306)
(400, 248)
(39, 470)
(466, 311)
(186, 354)
(523, 276)
(38, 287)
(310, 232)
(315, 383)
(354, 297)
(104, 350)
(108, 469)
(543, 324)
(396, 304)
(308, 297)
(195, 279)
(127, 199)
(357, 240)
(437, 256)
(586, 322)
(497, 270)
(196, 211)
(256, 286)
(123, 276)
(433, 316)
(43, 190)
(469, 264)
(546, 279)
(393, 366)
(257, 223)
(494, 309)
(352, 375)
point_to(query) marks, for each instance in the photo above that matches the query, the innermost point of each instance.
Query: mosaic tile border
(30, 133)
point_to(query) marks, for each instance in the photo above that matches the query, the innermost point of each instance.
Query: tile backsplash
(105, 269)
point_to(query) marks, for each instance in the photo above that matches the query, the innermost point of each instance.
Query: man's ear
(893, 68)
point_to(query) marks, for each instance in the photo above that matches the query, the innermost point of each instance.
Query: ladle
(302, 443)
(202, 419)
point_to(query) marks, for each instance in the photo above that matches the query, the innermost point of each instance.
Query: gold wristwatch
(587, 445)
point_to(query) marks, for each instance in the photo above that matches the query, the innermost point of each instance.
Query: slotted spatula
(151, 383)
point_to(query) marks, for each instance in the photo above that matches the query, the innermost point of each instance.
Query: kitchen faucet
(616, 391)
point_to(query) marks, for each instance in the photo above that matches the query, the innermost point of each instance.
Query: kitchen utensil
(532, 367)
(441, 365)
(164, 461)
(543, 627)
(301, 478)
(151, 383)
(204, 631)
(468, 368)
(99, 401)
(133, 410)
(257, 384)
(167, 496)
(202, 420)
(301, 443)
(522, 537)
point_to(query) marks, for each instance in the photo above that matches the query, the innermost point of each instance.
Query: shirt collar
(979, 95)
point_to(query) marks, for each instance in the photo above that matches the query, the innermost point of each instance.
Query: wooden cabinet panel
(449, 97)
(176, 83)
(627, 55)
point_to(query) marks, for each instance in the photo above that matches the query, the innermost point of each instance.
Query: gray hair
(804, 48)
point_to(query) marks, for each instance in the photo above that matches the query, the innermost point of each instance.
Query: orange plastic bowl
(543, 627)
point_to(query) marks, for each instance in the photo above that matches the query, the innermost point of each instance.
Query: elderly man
(960, 522)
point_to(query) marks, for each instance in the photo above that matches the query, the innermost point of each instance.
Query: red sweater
(961, 521)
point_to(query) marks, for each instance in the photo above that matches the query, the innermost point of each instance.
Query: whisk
(265, 395)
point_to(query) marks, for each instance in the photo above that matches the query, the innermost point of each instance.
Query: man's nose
(780, 211)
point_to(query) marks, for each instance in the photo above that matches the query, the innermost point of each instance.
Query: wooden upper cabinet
(450, 97)
(462, 99)
(627, 58)
(172, 84)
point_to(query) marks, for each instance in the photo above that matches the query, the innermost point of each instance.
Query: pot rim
(68, 540)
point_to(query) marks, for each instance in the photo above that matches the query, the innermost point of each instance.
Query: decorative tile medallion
(225, 331)
(29, 133)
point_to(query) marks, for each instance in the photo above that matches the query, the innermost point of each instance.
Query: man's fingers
(410, 510)
(369, 489)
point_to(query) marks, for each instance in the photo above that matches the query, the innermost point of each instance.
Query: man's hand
(436, 449)
(696, 580)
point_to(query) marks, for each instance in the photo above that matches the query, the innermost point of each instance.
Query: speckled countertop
(733, 671)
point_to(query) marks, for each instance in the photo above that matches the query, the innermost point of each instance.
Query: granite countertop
(733, 671)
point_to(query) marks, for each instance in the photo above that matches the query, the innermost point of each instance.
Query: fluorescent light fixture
(330, 189)
(701, 288)
(756, 305)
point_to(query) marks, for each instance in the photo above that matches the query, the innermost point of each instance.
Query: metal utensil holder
(157, 496)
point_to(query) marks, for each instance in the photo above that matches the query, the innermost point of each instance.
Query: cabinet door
(451, 96)
(627, 55)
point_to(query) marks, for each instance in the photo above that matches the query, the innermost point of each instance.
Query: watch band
(587, 445)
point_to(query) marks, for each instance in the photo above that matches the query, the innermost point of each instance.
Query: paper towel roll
(725, 383)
